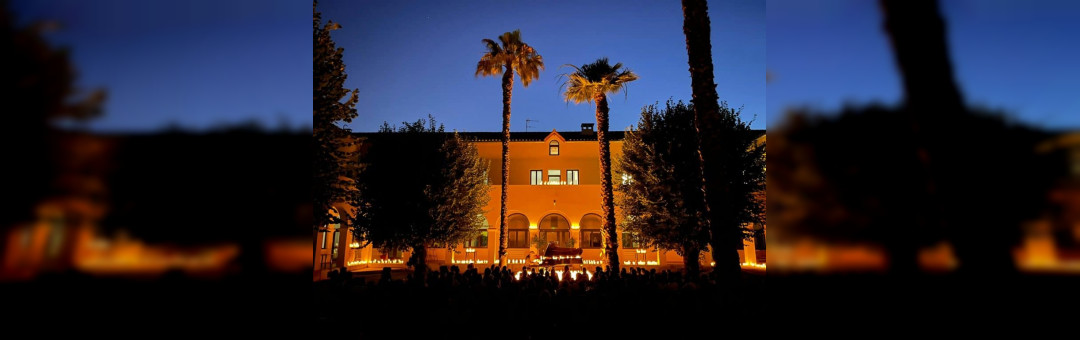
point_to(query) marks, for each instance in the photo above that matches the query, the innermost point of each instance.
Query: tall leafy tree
(507, 56)
(663, 202)
(591, 83)
(334, 189)
(37, 85)
(423, 187)
(732, 164)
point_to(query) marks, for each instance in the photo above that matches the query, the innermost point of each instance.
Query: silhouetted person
(384, 278)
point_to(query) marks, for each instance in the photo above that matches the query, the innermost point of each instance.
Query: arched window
(517, 231)
(553, 148)
(555, 228)
(590, 231)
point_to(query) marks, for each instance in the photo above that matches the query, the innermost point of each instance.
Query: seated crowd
(531, 303)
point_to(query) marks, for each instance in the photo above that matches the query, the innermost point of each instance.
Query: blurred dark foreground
(118, 231)
(929, 213)
(166, 228)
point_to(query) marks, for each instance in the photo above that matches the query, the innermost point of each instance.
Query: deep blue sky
(1019, 56)
(414, 58)
(195, 63)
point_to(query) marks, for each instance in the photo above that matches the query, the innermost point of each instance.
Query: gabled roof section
(554, 135)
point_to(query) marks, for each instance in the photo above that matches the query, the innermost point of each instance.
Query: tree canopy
(38, 86)
(422, 186)
(334, 190)
(662, 199)
(510, 54)
(587, 82)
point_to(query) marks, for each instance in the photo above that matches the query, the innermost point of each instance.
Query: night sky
(194, 64)
(414, 58)
(1018, 56)
(201, 64)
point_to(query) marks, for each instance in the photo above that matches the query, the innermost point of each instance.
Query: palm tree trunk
(696, 27)
(611, 245)
(917, 33)
(508, 89)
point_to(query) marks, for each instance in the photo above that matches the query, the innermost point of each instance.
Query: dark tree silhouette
(38, 91)
(423, 187)
(334, 189)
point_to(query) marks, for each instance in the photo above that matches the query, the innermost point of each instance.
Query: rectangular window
(356, 254)
(560, 237)
(334, 247)
(394, 255)
(325, 262)
(629, 240)
(537, 177)
(56, 238)
(571, 177)
(554, 177)
(480, 241)
(592, 238)
(323, 236)
(518, 238)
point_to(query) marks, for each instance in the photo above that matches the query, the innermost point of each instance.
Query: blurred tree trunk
(692, 262)
(917, 33)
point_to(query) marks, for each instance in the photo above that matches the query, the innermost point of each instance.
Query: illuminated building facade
(553, 194)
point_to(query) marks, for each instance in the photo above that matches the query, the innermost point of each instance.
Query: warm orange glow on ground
(125, 256)
(377, 261)
(470, 261)
(1037, 254)
(755, 266)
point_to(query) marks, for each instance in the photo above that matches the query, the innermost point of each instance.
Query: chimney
(587, 128)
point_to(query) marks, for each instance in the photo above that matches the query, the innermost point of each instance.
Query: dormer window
(553, 148)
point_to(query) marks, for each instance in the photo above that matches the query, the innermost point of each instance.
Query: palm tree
(696, 27)
(591, 83)
(506, 58)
